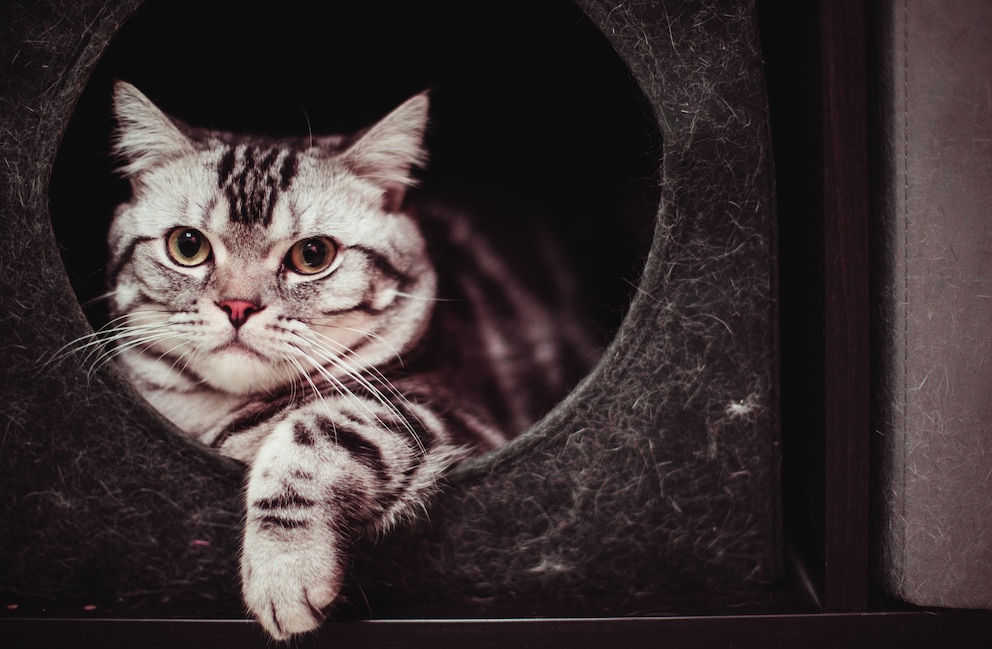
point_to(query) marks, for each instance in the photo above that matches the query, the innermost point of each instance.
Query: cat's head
(249, 263)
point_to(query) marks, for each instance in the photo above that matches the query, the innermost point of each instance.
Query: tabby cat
(280, 301)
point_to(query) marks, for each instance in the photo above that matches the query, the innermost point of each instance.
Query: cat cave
(635, 131)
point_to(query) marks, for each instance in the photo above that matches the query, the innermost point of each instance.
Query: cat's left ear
(388, 151)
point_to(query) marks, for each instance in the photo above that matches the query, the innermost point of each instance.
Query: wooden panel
(846, 324)
(911, 630)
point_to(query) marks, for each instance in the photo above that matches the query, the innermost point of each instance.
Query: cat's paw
(287, 586)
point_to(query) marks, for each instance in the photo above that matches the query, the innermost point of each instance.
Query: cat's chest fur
(201, 414)
(206, 414)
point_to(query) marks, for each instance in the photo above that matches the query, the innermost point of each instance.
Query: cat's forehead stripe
(252, 176)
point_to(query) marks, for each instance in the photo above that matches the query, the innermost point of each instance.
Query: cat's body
(275, 300)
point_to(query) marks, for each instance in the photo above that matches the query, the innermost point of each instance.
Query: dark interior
(533, 122)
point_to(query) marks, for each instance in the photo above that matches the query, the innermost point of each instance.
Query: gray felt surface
(658, 474)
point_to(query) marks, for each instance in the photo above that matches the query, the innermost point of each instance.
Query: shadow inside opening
(535, 119)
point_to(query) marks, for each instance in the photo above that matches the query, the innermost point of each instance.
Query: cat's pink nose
(238, 311)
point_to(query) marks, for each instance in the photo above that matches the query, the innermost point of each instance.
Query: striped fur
(348, 391)
(252, 177)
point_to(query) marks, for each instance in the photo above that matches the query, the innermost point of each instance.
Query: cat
(282, 301)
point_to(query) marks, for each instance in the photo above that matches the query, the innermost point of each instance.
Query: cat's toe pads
(287, 593)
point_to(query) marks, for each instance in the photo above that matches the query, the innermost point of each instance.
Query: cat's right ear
(145, 136)
(386, 152)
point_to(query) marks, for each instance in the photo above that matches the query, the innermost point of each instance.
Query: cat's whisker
(338, 361)
(96, 344)
(97, 337)
(341, 388)
(368, 367)
(338, 385)
(189, 358)
(99, 298)
(307, 378)
(287, 363)
(108, 354)
(306, 116)
(386, 178)
(108, 336)
(184, 356)
(349, 371)
(356, 374)
(423, 298)
(371, 335)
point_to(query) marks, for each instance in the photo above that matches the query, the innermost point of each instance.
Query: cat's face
(249, 264)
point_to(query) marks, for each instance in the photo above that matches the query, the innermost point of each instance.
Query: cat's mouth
(237, 346)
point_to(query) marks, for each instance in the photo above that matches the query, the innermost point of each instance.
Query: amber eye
(187, 247)
(311, 256)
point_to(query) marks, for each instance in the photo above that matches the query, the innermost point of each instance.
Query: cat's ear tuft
(145, 136)
(387, 152)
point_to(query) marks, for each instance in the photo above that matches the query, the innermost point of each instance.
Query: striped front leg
(329, 472)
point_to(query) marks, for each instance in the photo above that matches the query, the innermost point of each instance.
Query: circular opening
(534, 117)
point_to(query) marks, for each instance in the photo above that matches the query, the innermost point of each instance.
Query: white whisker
(355, 373)
(99, 298)
(308, 378)
(338, 361)
(338, 385)
(368, 367)
(117, 336)
(180, 357)
(424, 298)
(108, 354)
(293, 367)
(371, 335)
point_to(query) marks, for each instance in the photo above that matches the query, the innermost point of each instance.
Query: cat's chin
(237, 369)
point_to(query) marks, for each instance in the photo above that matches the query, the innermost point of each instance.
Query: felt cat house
(657, 475)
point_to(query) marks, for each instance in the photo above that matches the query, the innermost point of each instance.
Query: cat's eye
(187, 247)
(311, 256)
